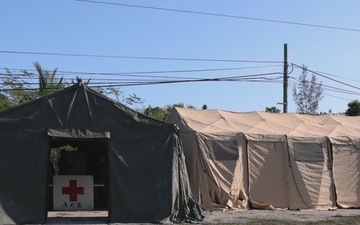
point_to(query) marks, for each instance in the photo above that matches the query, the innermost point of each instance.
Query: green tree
(272, 109)
(16, 90)
(307, 94)
(5, 103)
(48, 83)
(156, 113)
(354, 108)
(164, 113)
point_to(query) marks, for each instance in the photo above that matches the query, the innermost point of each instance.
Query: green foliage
(133, 100)
(307, 94)
(157, 113)
(18, 91)
(354, 108)
(55, 154)
(164, 113)
(272, 109)
(48, 84)
(5, 103)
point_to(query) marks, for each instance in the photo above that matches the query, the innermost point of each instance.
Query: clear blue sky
(82, 28)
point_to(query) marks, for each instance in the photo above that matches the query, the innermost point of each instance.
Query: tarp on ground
(148, 181)
(270, 161)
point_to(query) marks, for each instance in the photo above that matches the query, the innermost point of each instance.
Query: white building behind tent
(271, 161)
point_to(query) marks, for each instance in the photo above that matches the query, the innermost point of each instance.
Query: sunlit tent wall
(270, 161)
(148, 180)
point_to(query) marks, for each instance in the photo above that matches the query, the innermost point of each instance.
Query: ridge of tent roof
(215, 120)
(67, 89)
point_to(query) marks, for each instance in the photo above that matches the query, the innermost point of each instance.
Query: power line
(223, 15)
(229, 78)
(249, 78)
(329, 88)
(338, 97)
(122, 84)
(317, 73)
(333, 75)
(126, 80)
(138, 79)
(135, 57)
(139, 73)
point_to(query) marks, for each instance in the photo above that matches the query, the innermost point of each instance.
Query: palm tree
(47, 82)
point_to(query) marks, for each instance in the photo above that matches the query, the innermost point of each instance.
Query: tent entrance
(81, 156)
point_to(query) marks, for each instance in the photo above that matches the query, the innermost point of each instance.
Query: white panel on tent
(310, 176)
(346, 158)
(267, 184)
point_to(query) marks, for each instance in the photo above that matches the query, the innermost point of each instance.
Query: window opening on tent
(223, 150)
(308, 152)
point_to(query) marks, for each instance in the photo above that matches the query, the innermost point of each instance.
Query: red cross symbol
(73, 190)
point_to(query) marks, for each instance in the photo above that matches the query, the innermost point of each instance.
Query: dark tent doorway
(81, 156)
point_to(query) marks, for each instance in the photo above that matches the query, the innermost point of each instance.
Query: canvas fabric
(286, 161)
(148, 179)
(346, 173)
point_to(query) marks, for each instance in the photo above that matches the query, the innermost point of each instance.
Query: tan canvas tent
(271, 161)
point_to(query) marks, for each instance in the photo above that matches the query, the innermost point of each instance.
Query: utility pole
(285, 92)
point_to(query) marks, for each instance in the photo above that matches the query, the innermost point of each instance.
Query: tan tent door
(310, 183)
(346, 175)
(267, 174)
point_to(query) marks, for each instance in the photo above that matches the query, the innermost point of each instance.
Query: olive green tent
(147, 175)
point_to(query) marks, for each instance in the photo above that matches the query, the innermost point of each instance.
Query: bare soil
(339, 216)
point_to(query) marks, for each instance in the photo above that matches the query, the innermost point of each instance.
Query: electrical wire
(134, 57)
(133, 74)
(249, 78)
(333, 75)
(139, 80)
(156, 72)
(222, 15)
(333, 96)
(317, 73)
(124, 79)
(327, 87)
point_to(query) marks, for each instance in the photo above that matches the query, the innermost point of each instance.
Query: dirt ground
(215, 217)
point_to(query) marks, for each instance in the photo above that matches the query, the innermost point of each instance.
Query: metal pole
(285, 97)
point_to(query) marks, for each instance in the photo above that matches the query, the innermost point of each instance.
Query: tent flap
(23, 176)
(77, 133)
(346, 175)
